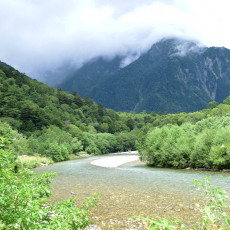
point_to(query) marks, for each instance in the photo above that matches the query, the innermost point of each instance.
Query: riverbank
(30, 162)
(131, 191)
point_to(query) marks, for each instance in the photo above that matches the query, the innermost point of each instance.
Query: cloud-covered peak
(39, 35)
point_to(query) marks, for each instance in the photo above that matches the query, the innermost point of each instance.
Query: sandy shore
(114, 161)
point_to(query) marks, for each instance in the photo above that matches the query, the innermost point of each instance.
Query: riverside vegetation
(24, 200)
(39, 120)
(213, 212)
(48, 122)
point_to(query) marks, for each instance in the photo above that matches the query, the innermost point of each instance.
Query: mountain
(29, 105)
(173, 75)
(90, 75)
(43, 120)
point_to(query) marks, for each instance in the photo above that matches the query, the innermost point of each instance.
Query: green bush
(6, 131)
(169, 146)
(189, 145)
(24, 201)
(30, 162)
(52, 142)
(76, 145)
(92, 149)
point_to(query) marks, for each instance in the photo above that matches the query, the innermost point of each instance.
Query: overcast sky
(40, 35)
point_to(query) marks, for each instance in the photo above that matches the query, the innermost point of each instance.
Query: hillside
(40, 120)
(91, 74)
(49, 122)
(173, 76)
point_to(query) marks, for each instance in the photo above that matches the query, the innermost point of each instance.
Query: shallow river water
(132, 190)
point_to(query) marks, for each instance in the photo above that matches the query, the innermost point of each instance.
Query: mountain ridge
(173, 75)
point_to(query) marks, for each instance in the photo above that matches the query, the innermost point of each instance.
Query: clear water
(132, 189)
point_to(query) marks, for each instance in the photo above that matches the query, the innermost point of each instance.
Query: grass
(79, 155)
(30, 162)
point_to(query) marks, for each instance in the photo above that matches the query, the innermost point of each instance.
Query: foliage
(6, 131)
(41, 120)
(189, 145)
(156, 222)
(212, 105)
(24, 200)
(52, 142)
(50, 122)
(212, 210)
(30, 162)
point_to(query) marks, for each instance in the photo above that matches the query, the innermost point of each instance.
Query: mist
(40, 37)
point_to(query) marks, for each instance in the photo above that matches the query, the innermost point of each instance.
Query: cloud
(39, 35)
(184, 47)
(129, 59)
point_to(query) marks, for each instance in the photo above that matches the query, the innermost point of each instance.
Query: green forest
(38, 120)
(44, 121)
(41, 120)
(197, 140)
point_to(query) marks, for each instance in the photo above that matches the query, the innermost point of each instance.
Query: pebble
(125, 224)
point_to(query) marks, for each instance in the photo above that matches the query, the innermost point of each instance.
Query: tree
(100, 110)
(227, 101)
(212, 105)
(130, 123)
(104, 127)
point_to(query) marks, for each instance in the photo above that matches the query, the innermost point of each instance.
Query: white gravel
(114, 161)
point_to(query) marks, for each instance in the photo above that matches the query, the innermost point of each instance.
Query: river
(132, 189)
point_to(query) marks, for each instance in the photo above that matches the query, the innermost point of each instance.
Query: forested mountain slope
(55, 123)
(41, 120)
(90, 75)
(174, 76)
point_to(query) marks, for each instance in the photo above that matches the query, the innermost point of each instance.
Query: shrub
(24, 201)
(53, 142)
(189, 145)
(30, 162)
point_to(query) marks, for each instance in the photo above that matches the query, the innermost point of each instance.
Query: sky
(44, 35)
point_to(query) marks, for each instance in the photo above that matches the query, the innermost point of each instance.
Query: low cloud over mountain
(41, 36)
(174, 75)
